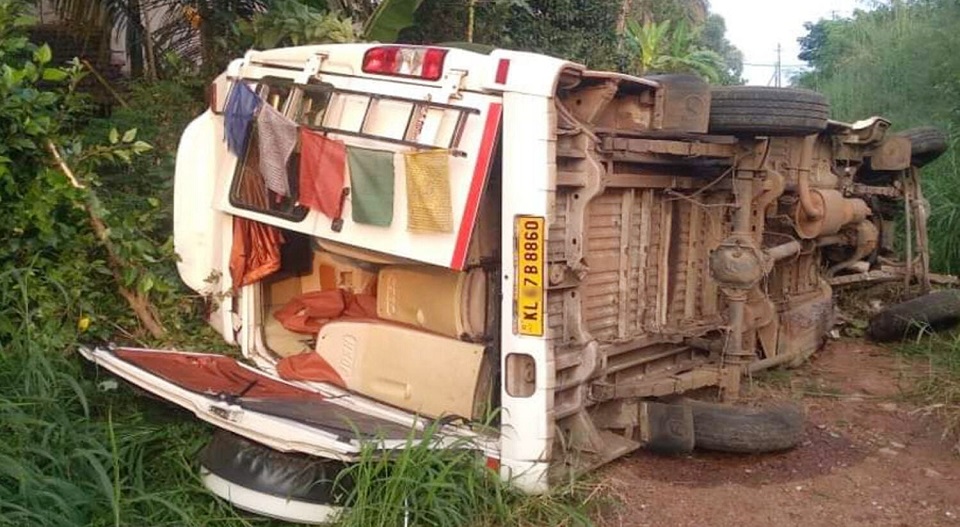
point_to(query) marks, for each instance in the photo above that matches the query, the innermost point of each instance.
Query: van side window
(276, 92)
(248, 189)
(311, 103)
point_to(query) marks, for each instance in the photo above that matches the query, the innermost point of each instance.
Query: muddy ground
(870, 457)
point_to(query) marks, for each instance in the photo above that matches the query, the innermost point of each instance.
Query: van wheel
(761, 110)
(927, 143)
(937, 310)
(746, 430)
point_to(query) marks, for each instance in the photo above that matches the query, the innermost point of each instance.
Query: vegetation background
(78, 449)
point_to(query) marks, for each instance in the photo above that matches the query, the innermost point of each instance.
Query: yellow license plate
(528, 289)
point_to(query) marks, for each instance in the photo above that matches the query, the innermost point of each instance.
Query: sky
(757, 26)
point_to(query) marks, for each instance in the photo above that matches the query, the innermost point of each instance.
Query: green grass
(419, 485)
(73, 454)
(938, 390)
(77, 452)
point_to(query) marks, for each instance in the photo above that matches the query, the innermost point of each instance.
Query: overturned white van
(398, 235)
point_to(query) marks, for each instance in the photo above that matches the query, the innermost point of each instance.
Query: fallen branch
(141, 306)
(105, 83)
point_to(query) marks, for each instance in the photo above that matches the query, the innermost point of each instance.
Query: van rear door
(386, 115)
(284, 416)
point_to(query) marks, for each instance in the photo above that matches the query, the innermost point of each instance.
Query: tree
(693, 12)
(210, 32)
(291, 23)
(580, 30)
(182, 21)
(713, 36)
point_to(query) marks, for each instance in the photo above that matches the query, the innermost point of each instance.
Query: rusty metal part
(666, 383)
(588, 103)
(685, 100)
(774, 186)
(920, 207)
(737, 264)
(868, 190)
(866, 237)
(835, 212)
(888, 274)
(908, 239)
(779, 252)
(653, 150)
(811, 208)
(833, 239)
(892, 154)
(742, 265)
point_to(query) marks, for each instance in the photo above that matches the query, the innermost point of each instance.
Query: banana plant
(667, 48)
(382, 21)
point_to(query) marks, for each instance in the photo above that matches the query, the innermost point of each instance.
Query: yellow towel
(428, 191)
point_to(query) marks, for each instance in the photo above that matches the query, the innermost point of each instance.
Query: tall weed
(72, 454)
(452, 487)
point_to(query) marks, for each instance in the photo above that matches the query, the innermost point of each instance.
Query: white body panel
(527, 425)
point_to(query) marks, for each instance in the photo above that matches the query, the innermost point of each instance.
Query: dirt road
(869, 458)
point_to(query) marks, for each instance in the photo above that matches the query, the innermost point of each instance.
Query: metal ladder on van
(415, 116)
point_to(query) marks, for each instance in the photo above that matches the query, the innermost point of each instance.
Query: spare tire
(927, 143)
(938, 310)
(254, 477)
(746, 430)
(761, 110)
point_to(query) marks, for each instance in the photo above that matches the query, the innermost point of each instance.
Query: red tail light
(503, 69)
(400, 61)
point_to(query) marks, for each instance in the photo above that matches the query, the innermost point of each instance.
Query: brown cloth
(255, 253)
(308, 312)
(322, 169)
(309, 367)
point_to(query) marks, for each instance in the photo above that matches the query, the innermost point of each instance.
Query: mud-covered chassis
(680, 259)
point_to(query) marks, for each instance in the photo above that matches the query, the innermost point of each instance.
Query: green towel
(371, 182)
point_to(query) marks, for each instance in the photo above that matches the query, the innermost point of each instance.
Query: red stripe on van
(480, 171)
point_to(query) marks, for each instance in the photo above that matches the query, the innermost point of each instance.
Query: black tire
(290, 476)
(746, 430)
(764, 111)
(927, 143)
(938, 310)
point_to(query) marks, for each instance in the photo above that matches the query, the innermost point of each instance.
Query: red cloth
(212, 374)
(308, 312)
(309, 367)
(322, 169)
(255, 253)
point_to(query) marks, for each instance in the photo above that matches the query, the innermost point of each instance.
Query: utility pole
(778, 70)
